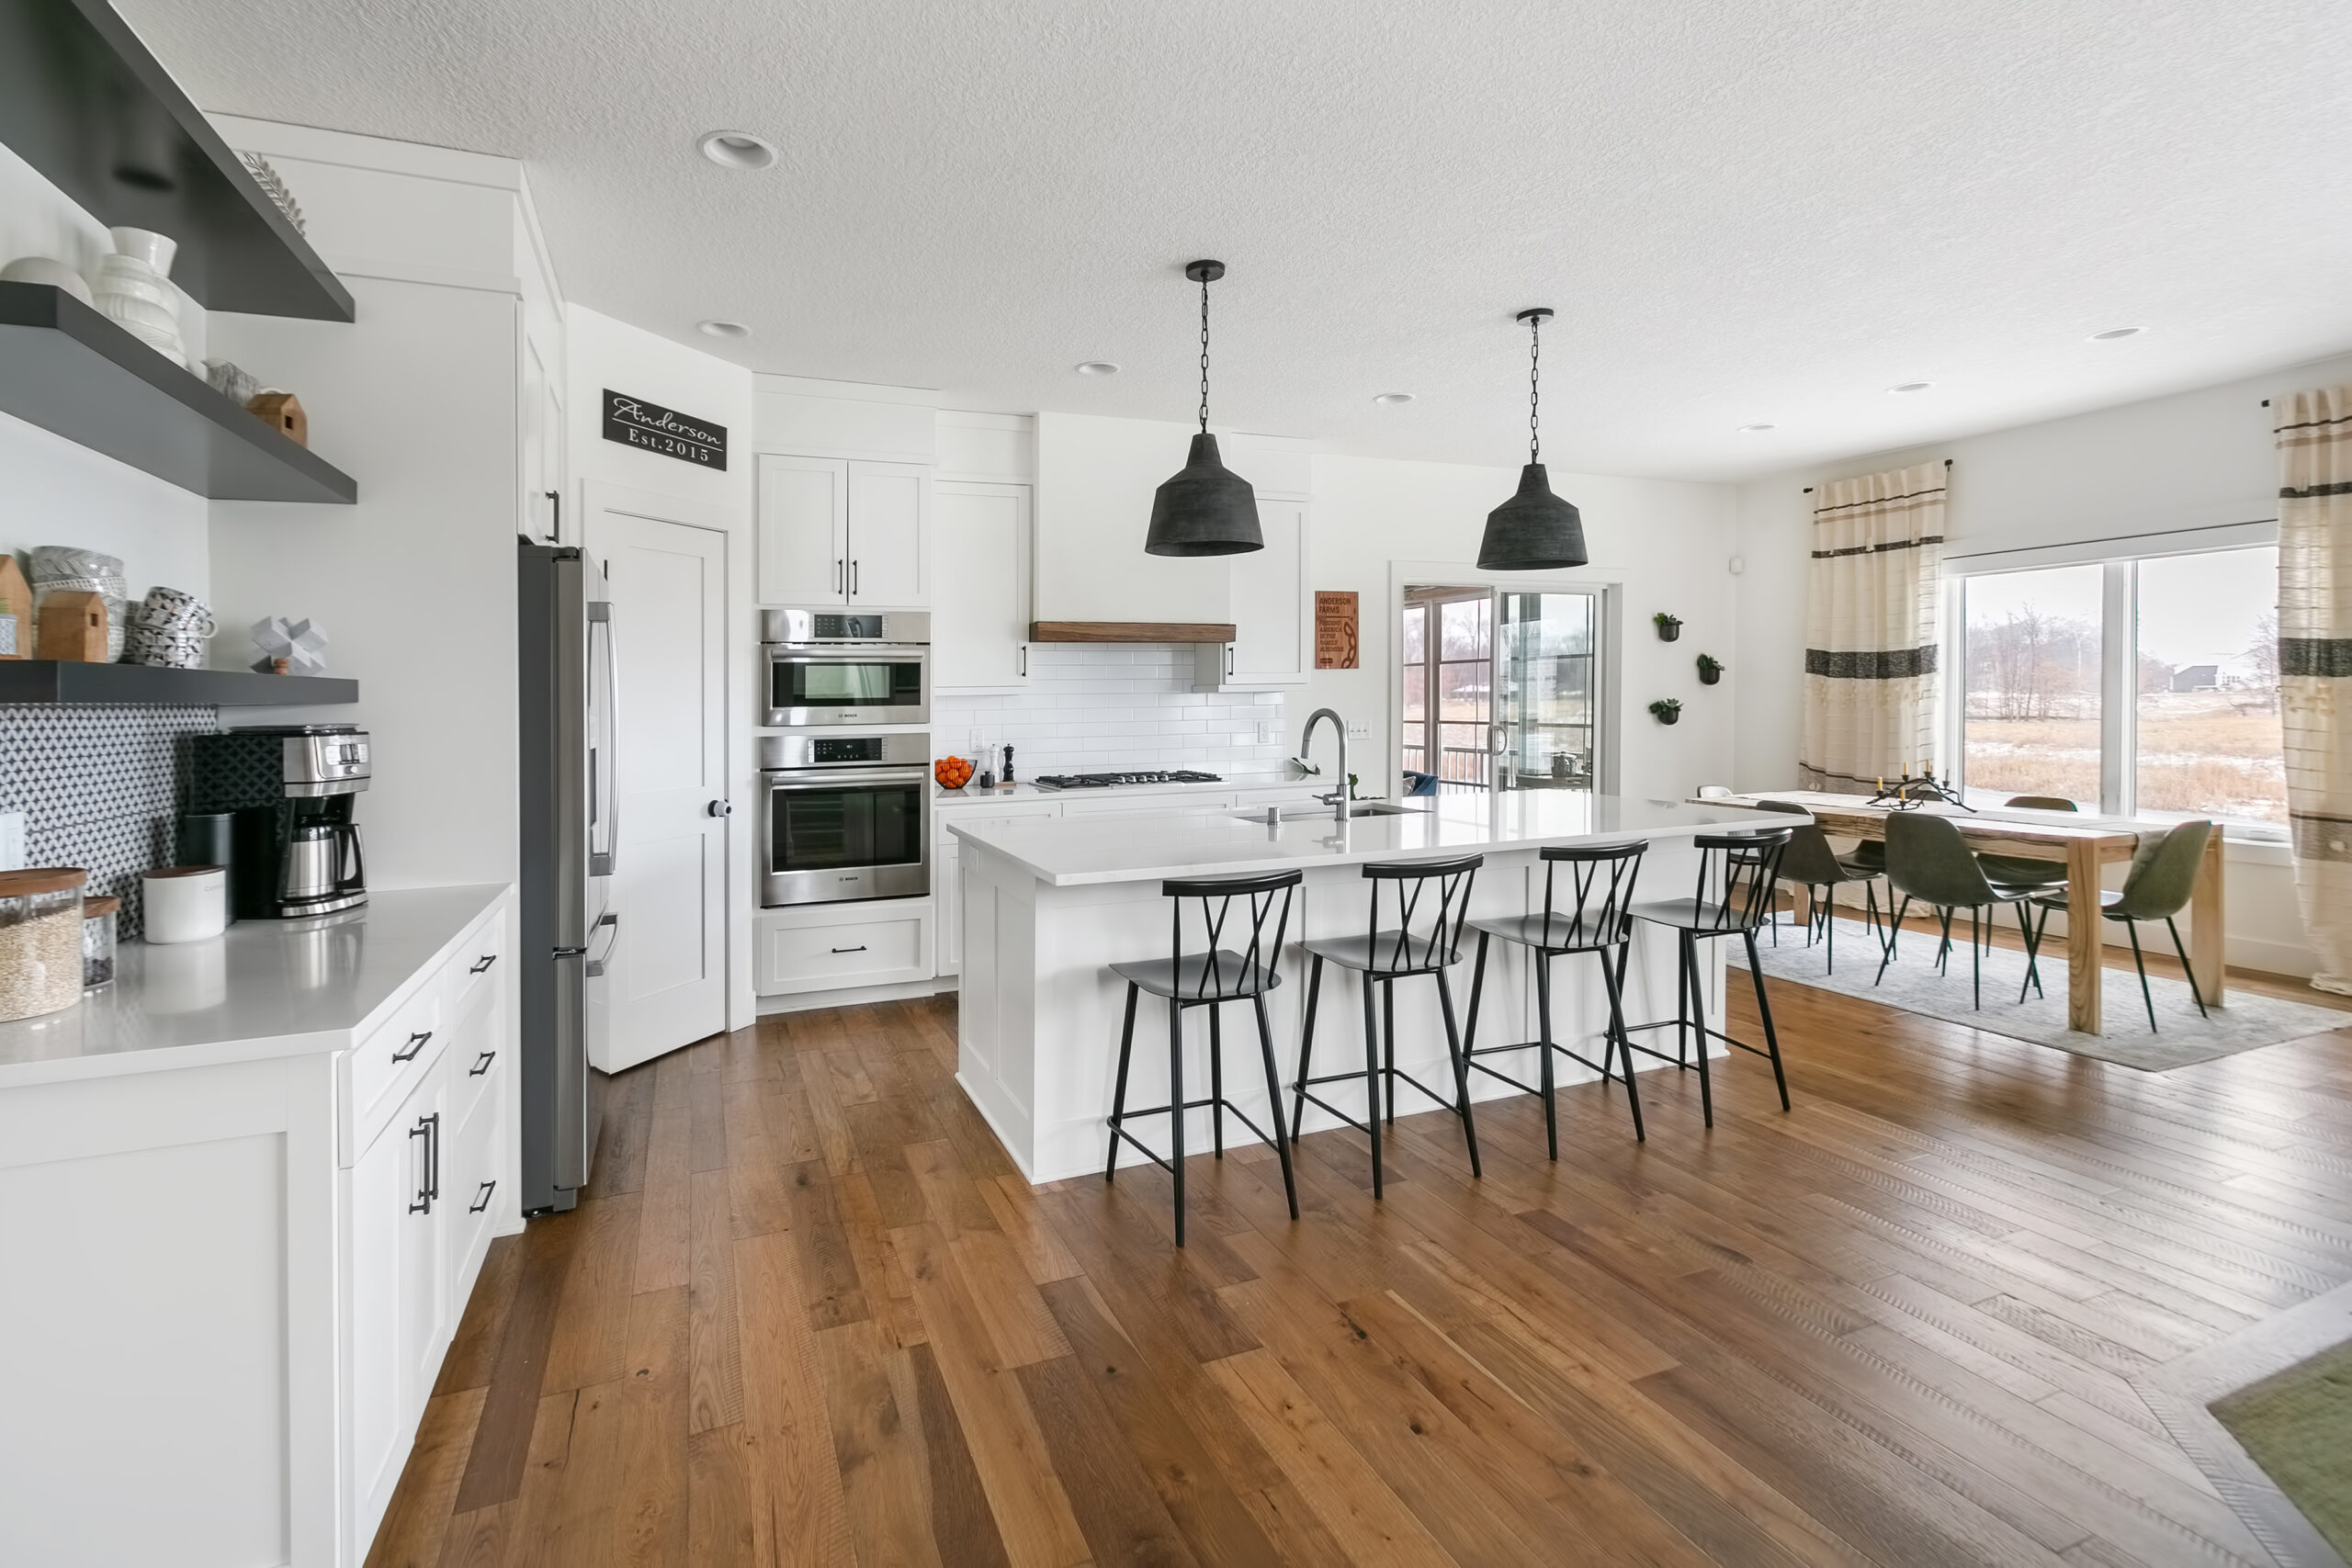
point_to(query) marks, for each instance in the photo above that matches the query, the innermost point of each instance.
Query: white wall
(1663, 544)
(605, 353)
(2195, 459)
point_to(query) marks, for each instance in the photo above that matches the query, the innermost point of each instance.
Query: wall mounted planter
(1669, 627)
(1668, 710)
(1711, 670)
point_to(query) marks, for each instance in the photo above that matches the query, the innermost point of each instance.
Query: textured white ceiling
(1742, 212)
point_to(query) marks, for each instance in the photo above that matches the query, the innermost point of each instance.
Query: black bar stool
(1206, 978)
(1384, 955)
(1596, 917)
(1737, 875)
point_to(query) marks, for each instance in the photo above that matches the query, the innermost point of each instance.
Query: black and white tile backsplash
(99, 788)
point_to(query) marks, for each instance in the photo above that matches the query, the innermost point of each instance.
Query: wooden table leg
(2207, 925)
(2083, 923)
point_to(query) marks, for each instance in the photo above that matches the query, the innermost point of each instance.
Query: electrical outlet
(12, 840)
(1360, 732)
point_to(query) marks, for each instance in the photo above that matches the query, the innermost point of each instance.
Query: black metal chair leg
(1764, 1011)
(1698, 1005)
(1216, 1077)
(2132, 930)
(1388, 1035)
(1461, 1071)
(1176, 1100)
(2196, 992)
(1975, 959)
(1893, 930)
(1372, 1079)
(1477, 989)
(1274, 1099)
(1829, 935)
(1119, 1091)
(1305, 1046)
(1609, 980)
(1682, 1003)
(1544, 1042)
(1943, 947)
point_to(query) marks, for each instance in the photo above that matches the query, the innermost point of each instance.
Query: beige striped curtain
(1871, 631)
(2315, 438)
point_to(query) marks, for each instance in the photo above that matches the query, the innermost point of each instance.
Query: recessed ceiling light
(1911, 386)
(2114, 332)
(1756, 429)
(737, 150)
(1390, 399)
(723, 329)
(1098, 367)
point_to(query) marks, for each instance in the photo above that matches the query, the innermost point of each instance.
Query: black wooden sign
(649, 427)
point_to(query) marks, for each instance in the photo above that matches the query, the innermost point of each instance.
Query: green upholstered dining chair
(2023, 870)
(2163, 875)
(1928, 860)
(1812, 864)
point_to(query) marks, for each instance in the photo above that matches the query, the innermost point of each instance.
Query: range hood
(1132, 631)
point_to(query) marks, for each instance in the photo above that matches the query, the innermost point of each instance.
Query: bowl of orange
(952, 772)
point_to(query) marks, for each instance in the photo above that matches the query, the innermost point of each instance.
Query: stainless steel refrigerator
(570, 772)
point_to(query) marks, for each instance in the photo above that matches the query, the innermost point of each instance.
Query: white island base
(1048, 907)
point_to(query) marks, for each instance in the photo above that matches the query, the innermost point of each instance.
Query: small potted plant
(1667, 709)
(1711, 670)
(1669, 627)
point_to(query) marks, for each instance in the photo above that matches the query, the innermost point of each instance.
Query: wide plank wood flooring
(808, 1315)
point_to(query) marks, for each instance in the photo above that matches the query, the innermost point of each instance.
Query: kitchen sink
(1307, 813)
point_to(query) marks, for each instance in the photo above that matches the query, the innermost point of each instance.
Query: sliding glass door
(1500, 689)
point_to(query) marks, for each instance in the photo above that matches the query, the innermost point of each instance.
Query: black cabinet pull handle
(859, 948)
(555, 514)
(415, 1044)
(482, 1202)
(429, 1129)
(487, 960)
(481, 1065)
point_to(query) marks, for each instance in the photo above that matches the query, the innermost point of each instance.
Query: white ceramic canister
(186, 903)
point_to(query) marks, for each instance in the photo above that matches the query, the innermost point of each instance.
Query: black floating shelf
(61, 680)
(84, 103)
(68, 369)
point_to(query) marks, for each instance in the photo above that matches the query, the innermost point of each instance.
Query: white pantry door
(668, 582)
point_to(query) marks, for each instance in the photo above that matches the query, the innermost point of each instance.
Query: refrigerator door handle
(604, 785)
(596, 966)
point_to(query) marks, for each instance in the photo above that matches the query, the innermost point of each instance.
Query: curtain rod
(1808, 490)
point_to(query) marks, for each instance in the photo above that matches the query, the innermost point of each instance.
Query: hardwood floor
(810, 1316)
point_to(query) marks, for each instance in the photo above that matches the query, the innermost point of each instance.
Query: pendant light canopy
(1534, 530)
(1208, 509)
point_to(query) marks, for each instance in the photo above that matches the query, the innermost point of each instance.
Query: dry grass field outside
(2213, 754)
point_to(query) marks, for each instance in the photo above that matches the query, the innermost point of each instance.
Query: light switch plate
(1359, 731)
(12, 840)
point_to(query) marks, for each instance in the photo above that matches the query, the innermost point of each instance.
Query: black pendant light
(1208, 509)
(1534, 530)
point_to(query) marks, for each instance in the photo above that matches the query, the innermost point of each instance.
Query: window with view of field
(2186, 643)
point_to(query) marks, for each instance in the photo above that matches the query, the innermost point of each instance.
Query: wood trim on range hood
(1132, 631)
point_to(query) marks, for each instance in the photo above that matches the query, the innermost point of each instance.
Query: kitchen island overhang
(1049, 905)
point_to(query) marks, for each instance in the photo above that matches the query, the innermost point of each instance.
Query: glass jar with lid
(98, 940)
(40, 940)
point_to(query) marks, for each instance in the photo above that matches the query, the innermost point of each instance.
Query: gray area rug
(2181, 1038)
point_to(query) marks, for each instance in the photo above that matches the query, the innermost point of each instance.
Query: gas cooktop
(1114, 781)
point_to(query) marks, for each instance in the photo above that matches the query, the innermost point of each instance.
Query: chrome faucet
(1337, 798)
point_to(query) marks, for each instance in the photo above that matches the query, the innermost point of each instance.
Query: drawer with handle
(391, 1062)
(479, 958)
(875, 949)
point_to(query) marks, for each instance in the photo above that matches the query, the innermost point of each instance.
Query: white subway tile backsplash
(1109, 706)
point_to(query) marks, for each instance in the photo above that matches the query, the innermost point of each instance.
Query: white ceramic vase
(133, 289)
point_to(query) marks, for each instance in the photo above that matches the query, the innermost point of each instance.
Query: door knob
(721, 808)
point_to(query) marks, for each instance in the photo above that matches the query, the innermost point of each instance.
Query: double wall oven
(832, 667)
(845, 816)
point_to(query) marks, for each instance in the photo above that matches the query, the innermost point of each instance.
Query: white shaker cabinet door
(979, 630)
(1273, 642)
(804, 517)
(889, 534)
(398, 1305)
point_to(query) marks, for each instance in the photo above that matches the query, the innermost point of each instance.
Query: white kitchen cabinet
(826, 947)
(542, 464)
(1272, 608)
(948, 864)
(979, 630)
(398, 1294)
(835, 531)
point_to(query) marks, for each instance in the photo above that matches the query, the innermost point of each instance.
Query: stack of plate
(132, 288)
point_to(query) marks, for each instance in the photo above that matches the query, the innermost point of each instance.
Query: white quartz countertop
(1073, 850)
(263, 989)
(972, 794)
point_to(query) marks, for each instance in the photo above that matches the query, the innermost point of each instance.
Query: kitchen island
(1049, 906)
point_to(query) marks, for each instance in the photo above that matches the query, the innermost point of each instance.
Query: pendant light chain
(1534, 387)
(1204, 356)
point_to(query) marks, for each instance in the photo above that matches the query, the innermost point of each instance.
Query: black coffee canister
(207, 839)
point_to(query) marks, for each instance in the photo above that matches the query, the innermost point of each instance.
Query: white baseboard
(855, 996)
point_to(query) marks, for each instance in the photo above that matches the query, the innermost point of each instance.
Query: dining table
(2084, 843)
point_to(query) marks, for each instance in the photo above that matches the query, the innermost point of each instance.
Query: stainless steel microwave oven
(827, 667)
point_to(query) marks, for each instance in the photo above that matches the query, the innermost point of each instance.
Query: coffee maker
(289, 790)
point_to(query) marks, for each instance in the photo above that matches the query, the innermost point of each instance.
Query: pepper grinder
(1007, 777)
